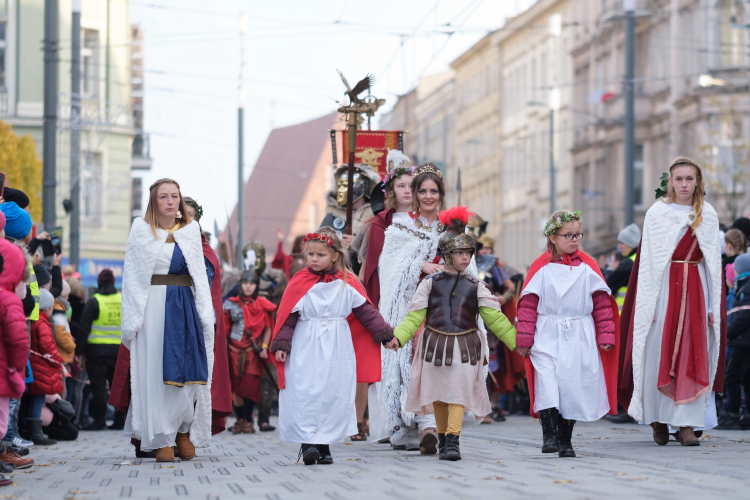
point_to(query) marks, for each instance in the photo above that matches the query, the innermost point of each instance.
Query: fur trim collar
(661, 231)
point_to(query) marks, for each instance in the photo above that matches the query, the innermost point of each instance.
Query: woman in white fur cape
(673, 313)
(168, 326)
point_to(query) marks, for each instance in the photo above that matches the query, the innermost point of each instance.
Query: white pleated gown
(165, 409)
(317, 404)
(569, 374)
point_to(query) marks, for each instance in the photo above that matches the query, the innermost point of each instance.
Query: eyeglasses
(573, 237)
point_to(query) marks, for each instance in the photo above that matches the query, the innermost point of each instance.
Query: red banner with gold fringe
(372, 147)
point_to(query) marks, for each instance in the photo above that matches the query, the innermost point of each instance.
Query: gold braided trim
(418, 234)
(178, 384)
(685, 261)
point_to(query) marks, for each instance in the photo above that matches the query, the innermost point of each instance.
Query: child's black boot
(564, 435)
(548, 419)
(452, 451)
(325, 454)
(441, 446)
(309, 454)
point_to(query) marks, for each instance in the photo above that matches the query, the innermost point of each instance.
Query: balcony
(140, 158)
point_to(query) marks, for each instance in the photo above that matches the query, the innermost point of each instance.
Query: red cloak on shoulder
(609, 358)
(221, 394)
(625, 374)
(376, 239)
(366, 350)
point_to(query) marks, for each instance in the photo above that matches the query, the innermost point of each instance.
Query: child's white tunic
(569, 374)
(317, 405)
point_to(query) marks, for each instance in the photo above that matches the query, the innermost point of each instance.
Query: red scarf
(366, 351)
(683, 369)
(609, 358)
(255, 313)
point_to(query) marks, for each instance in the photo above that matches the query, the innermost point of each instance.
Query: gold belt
(172, 279)
(685, 261)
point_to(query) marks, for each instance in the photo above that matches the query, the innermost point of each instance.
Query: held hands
(606, 347)
(710, 319)
(523, 351)
(280, 356)
(393, 344)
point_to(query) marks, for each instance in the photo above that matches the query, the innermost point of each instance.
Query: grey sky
(292, 51)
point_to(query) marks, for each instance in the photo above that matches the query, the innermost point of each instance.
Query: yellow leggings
(448, 417)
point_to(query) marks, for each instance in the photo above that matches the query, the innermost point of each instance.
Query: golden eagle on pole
(361, 86)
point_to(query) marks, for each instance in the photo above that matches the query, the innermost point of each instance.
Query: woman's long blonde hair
(698, 195)
(342, 261)
(151, 215)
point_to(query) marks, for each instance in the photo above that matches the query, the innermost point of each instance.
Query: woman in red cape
(674, 316)
(567, 326)
(221, 394)
(322, 352)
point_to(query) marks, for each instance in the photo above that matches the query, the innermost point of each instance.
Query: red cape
(625, 374)
(221, 393)
(376, 239)
(366, 350)
(609, 358)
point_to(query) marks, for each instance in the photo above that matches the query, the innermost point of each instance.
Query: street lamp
(554, 103)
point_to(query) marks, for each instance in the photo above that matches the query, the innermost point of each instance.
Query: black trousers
(100, 365)
(737, 375)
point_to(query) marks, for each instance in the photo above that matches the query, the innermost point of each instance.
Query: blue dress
(185, 359)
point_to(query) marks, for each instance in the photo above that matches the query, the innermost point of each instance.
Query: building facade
(691, 99)
(107, 132)
(140, 160)
(535, 75)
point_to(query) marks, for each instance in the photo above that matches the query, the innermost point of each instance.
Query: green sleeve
(496, 321)
(410, 326)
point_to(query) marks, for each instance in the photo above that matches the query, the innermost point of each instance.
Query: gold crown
(428, 168)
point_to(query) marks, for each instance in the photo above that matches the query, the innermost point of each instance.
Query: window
(91, 187)
(3, 46)
(136, 195)
(89, 63)
(638, 167)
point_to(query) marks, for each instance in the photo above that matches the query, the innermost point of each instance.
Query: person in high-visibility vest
(101, 320)
(627, 244)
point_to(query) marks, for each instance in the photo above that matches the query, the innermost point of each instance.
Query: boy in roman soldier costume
(248, 320)
(448, 304)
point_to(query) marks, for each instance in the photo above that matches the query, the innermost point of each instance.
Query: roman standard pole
(75, 137)
(352, 144)
(49, 182)
(240, 147)
(629, 6)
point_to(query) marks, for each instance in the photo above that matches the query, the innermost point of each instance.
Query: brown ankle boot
(248, 427)
(238, 426)
(687, 437)
(165, 454)
(185, 449)
(661, 433)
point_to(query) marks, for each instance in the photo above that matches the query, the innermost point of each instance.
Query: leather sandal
(360, 435)
(185, 449)
(165, 454)
(661, 433)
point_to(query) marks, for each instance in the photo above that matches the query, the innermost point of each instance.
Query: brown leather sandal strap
(439, 349)
(471, 340)
(463, 347)
(449, 350)
(430, 347)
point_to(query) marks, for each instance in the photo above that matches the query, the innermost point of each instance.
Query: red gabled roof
(280, 178)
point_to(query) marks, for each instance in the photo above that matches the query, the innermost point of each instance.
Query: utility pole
(75, 137)
(49, 177)
(552, 180)
(629, 7)
(240, 147)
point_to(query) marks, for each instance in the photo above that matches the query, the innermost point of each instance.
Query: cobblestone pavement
(500, 460)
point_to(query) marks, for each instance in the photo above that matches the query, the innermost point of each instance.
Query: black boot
(452, 451)
(99, 424)
(309, 454)
(441, 446)
(119, 423)
(564, 435)
(548, 419)
(731, 423)
(325, 454)
(36, 434)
